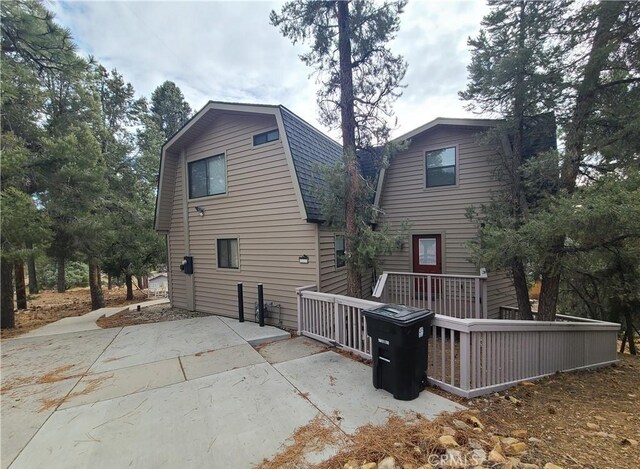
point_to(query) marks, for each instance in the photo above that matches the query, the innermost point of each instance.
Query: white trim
(292, 168)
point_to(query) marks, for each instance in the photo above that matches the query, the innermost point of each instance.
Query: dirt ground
(587, 419)
(147, 315)
(50, 306)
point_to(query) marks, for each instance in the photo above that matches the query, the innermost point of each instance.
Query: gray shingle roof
(310, 149)
(369, 160)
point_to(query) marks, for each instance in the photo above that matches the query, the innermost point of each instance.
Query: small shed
(158, 284)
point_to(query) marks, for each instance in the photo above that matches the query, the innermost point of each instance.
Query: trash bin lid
(398, 314)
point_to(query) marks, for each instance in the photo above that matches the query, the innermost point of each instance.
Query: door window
(428, 251)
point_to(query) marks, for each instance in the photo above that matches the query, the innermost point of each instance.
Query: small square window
(266, 137)
(340, 252)
(441, 167)
(228, 253)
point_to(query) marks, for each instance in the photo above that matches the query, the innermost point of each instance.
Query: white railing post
(299, 301)
(380, 286)
(336, 322)
(465, 360)
(485, 300)
(476, 313)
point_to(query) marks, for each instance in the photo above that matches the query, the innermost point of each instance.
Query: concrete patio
(189, 393)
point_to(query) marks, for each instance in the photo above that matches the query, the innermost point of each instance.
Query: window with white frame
(208, 176)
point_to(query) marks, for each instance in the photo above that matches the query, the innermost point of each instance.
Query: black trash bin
(399, 337)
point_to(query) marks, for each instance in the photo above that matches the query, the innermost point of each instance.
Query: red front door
(427, 259)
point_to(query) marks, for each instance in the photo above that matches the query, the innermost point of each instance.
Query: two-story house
(236, 201)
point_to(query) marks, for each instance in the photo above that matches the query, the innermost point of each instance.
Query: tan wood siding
(332, 279)
(178, 288)
(260, 209)
(440, 210)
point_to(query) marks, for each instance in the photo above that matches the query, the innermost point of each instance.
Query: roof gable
(304, 147)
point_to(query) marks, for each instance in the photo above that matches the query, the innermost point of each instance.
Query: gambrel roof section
(305, 148)
(310, 149)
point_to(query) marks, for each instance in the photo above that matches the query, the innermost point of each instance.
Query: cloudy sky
(228, 51)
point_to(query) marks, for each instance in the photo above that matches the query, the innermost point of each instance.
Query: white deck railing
(458, 296)
(334, 319)
(470, 357)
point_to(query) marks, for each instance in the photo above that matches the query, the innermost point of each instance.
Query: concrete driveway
(190, 393)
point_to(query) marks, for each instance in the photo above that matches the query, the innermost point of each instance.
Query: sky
(228, 51)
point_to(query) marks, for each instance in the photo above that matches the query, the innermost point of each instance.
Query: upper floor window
(441, 167)
(208, 176)
(340, 248)
(266, 137)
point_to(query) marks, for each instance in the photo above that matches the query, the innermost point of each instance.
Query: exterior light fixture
(200, 210)
(303, 259)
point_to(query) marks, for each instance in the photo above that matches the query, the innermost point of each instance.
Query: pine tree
(169, 108)
(33, 46)
(360, 79)
(572, 60)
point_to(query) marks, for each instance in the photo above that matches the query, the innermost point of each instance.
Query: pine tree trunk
(587, 93)
(60, 283)
(97, 298)
(140, 282)
(129, 281)
(348, 125)
(31, 268)
(548, 301)
(21, 289)
(629, 332)
(7, 313)
(109, 282)
(522, 289)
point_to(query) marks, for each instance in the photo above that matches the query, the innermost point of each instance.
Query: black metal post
(240, 303)
(260, 306)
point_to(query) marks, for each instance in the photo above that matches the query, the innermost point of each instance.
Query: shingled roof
(310, 149)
